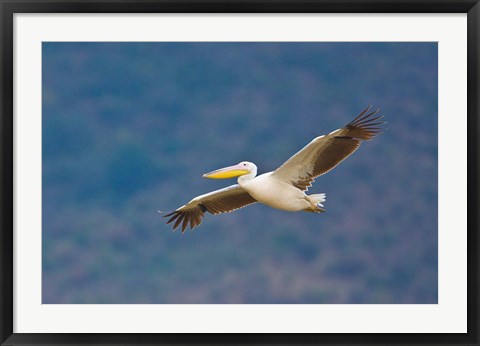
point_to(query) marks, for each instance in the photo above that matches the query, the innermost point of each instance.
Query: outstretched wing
(325, 152)
(220, 201)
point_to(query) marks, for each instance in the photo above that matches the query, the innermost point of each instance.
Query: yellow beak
(227, 172)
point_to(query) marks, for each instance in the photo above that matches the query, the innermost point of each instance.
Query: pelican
(286, 187)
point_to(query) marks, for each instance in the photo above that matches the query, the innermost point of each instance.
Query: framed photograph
(345, 135)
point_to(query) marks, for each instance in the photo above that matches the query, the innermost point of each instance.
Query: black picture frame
(10, 7)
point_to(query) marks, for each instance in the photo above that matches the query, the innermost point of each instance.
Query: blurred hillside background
(129, 129)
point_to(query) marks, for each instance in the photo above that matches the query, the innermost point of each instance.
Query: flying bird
(286, 187)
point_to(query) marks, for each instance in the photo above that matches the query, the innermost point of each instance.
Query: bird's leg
(314, 205)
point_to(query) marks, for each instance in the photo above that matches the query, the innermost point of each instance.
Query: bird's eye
(244, 164)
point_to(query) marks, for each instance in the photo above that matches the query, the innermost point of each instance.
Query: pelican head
(243, 168)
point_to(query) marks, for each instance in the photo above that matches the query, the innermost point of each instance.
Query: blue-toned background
(129, 129)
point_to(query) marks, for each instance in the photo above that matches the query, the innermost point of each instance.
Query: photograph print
(239, 173)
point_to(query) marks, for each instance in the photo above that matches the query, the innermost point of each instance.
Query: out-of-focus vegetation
(129, 129)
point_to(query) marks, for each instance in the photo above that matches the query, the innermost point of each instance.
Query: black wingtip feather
(177, 222)
(185, 223)
(366, 125)
(186, 218)
(175, 215)
(361, 114)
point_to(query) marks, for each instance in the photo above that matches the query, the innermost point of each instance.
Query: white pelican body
(285, 187)
(276, 193)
